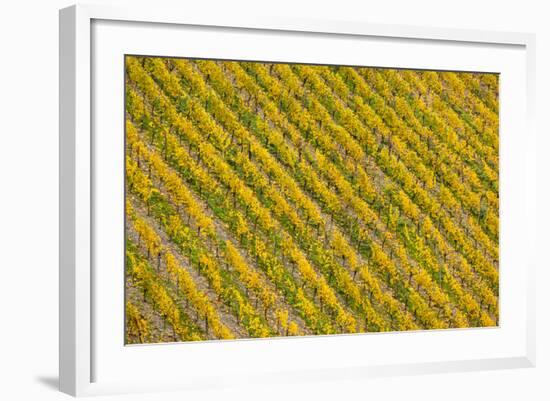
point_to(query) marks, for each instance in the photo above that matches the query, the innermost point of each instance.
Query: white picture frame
(80, 314)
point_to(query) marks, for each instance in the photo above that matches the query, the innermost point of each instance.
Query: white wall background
(29, 200)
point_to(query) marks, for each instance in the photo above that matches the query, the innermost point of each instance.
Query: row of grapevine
(275, 199)
(260, 67)
(209, 188)
(169, 181)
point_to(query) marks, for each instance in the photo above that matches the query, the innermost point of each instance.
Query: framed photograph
(272, 200)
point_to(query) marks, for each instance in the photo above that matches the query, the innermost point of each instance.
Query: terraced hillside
(283, 199)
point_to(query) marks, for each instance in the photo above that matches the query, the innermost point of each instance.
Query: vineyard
(271, 200)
